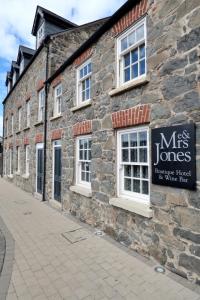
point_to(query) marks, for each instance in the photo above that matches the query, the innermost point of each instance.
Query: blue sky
(15, 26)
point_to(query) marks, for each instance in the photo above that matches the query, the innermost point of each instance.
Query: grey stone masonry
(171, 231)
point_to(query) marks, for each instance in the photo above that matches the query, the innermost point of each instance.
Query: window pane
(81, 154)
(134, 56)
(83, 176)
(144, 172)
(89, 144)
(140, 33)
(127, 171)
(136, 171)
(87, 83)
(142, 51)
(142, 67)
(127, 60)
(143, 155)
(83, 96)
(83, 166)
(89, 155)
(136, 186)
(143, 138)
(135, 70)
(81, 142)
(87, 94)
(131, 39)
(87, 167)
(85, 154)
(133, 139)
(127, 184)
(125, 140)
(83, 85)
(145, 187)
(134, 157)
(124, 44)
(127, 75)
(125, 155)
(81, 73)
(88, 177)
(85, 70)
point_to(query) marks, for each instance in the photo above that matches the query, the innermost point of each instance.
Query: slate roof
(52, 17)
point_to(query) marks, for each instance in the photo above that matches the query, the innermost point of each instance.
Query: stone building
(109, 129)
(1, 156)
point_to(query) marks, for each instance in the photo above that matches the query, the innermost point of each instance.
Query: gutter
(46, 45)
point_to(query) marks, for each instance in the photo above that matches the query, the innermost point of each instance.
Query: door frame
(38, 146)
(56, 144)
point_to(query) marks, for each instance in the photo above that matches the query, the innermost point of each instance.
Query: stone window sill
(55, 117)
(139, 208)
(27, 128)
(17, 174)
(38, 123)
(10, 176)
(129, 86)
(25, 176)
(88, 103)
(81, 190)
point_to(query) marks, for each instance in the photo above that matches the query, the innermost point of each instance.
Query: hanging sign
(173, 156)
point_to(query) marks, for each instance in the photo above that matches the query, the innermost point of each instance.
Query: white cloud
(16, 18)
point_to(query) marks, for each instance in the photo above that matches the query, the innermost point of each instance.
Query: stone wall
(172, 236)
(60, 47)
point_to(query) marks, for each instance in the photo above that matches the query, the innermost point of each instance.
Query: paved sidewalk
(48, 266)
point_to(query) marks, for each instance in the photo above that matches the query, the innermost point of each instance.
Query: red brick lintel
(128, 19)
(133, 116)
(39, 138)
(82, 128)
(26, 141)
(56, 134)
(83, 57)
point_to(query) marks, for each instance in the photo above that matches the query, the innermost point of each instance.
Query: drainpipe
(2, 169)
(45, 121)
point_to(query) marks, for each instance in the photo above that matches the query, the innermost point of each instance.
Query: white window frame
(14, 77)
(57, 100)
(41, 104)
(21, 67)
(38, 146)
(27, 159)
(40, 35)
(9, 86)
(12, 124)
(7, 125)
(5, 162)
(18, 152)
(120, 54)
(56, 144)
(19, 118)
(80, 182)
(11, 161)
(79, 100)
(121, 193)
(28, 113)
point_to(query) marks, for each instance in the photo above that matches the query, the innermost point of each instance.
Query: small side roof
(52, 17)
(24, 51)
(8, 77)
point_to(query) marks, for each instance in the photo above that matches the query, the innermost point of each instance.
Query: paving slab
(47, 265)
